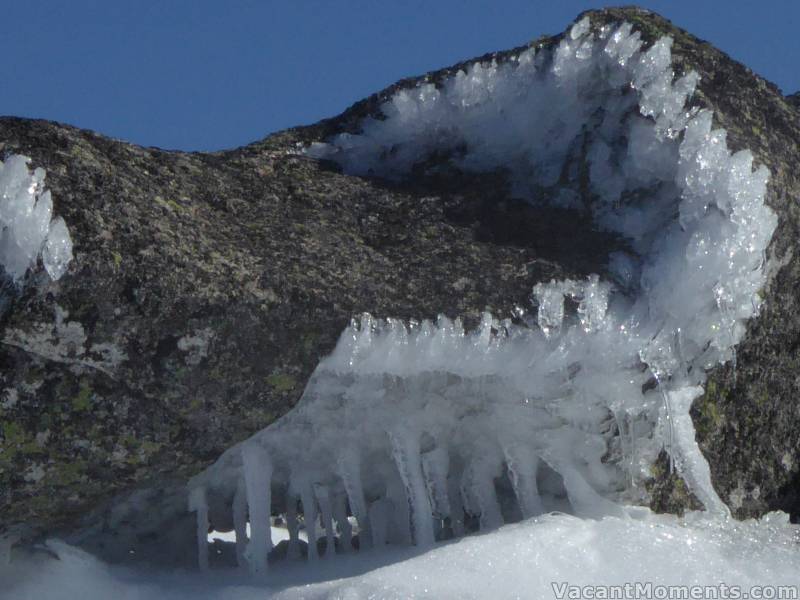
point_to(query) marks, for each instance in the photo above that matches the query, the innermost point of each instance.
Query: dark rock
(205, 288)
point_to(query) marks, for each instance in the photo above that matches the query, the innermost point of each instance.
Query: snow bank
(521, 560)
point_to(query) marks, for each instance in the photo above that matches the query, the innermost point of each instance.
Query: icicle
(379, 515)
(349, 469)
(723, 299)
(257, 477)
(324, 501)
(405, 450)
(670, 441)
(342, 523)
(626, 425)
(240, 522)
(691, 463)
(456, 505)
(634, 462)
(661, 355)
(585, 501)
(399, 513)
(434, 467)
(623, 429)
(478, 487)
(293, 551)
(199, 505)
(523, 465)
(6, 543)
(550, 298)
(593, 304)
(309, 517)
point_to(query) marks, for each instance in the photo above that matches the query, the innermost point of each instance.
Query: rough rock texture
(205, 287)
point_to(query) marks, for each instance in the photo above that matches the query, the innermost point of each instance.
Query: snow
(520, 560)
(278, 534)
(27, 229)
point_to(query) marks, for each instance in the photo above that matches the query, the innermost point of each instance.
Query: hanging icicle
(405, 450)
(199, 505)
(349, 470)
(240, 522)
(523, 466)
(257, 477)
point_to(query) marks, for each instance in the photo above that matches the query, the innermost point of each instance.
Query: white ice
(27, 227)
(257, 469)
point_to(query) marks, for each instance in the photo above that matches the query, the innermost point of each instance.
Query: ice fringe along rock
(568, 411)
(27, 227)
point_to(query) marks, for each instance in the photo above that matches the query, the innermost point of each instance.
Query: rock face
(205, 288)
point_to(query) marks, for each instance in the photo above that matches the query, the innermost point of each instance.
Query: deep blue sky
(202, 75)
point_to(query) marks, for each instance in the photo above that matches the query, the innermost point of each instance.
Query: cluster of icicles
(28, 229)
(416, 432)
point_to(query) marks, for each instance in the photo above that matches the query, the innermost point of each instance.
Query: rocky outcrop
(205, 288)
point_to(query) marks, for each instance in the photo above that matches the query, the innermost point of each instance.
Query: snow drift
(532, 559)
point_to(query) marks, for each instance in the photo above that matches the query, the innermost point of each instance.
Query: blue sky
(204, 75)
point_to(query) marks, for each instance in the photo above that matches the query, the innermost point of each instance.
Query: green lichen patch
(706, 411)
(667, 490)
(281, 382)
(83, 400)
(66, 473)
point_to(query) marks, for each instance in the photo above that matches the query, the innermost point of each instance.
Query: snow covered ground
(531, 559)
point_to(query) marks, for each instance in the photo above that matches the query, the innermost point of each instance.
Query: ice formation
(27, 228)
(427, 429)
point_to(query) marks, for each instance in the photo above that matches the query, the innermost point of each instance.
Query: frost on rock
(428, 429)
(27, 229)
